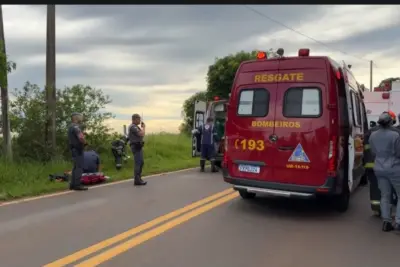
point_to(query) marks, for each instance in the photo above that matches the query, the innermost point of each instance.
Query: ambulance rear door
(200, 109)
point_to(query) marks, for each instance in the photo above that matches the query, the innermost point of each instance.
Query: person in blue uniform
(208, 135)
(76, 142)
(385, 147)
(136, 133)
(91, 163)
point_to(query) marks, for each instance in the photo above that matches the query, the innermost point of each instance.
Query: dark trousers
(375, 192)
(77, 170)
(139, 162)
(117, 156)
(207, 152)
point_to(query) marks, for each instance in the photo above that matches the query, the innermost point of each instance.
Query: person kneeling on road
(136, 135)
(385, 146)
(91, 161)
(208, 135)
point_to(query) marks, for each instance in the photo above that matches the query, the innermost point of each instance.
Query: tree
(188, 111)
(220, 75)
(28, 119)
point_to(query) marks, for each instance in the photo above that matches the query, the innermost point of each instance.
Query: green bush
(162, 152)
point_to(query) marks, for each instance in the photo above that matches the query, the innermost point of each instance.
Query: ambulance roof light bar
(261, 55)
(304, 52)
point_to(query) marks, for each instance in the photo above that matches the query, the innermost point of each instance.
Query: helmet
(392, 115)
(385, 119)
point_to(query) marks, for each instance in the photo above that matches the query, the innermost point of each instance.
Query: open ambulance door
(200, 108)
(351, 106)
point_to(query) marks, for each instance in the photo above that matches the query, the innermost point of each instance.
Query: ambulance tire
(246, 195)
(341, 202)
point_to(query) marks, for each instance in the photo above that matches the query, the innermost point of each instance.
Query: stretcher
(375, 194)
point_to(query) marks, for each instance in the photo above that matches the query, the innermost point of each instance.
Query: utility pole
(50, 134)
(371, 65)
(4, 94)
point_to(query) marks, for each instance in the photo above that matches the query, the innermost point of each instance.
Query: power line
(300, 33)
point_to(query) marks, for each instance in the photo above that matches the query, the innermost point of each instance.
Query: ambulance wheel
(246, 195)
(341, 202)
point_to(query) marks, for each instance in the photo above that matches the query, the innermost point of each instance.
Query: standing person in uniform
(374, 193)
(385, 146)
(136, 135)
(208, 137)
(77, 143)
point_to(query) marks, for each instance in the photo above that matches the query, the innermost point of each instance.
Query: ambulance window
(302, 102)
(356, 109)
(253, 102)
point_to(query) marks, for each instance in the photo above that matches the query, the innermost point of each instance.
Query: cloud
(151, 58)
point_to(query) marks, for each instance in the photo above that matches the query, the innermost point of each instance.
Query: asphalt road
(190, 219)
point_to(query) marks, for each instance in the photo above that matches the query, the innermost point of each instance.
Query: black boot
(202, 164)
(139, 181)
(387, 226)
(213, 167)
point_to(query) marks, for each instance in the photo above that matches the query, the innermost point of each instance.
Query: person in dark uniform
(118, 150)
(91, 161)
(385, 146)
(374, 192)
(77, 143)
(208, 135)
(136, 135)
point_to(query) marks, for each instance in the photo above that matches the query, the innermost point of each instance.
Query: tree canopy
(28, 118)
(220, 77)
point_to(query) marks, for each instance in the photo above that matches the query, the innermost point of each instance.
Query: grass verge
(162, 152)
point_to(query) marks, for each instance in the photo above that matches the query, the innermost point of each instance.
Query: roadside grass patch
(162, 152)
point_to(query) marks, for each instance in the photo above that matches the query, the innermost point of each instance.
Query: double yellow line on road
(167, 221)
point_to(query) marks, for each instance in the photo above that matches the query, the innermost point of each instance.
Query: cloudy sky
(149, 59)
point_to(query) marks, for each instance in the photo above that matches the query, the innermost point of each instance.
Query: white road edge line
(28, 199)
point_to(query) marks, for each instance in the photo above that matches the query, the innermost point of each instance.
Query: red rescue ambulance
(294, 129)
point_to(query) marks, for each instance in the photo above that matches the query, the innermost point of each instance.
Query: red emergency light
(304, 52)
(385, 95)
(338, 75)
(216, 98)
(261, 55)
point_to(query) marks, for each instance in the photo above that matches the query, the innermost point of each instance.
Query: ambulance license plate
(249, 168)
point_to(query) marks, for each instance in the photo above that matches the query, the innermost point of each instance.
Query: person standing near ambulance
(369, 159)
(208, 137)
(136, 135)
(385, 146)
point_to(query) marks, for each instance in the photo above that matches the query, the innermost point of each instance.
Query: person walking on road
(385, 146)
(136, 135)
(208, 137)
(77, 143)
